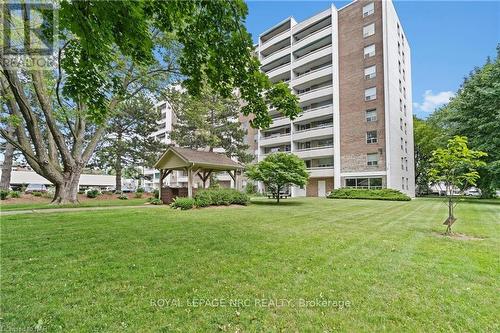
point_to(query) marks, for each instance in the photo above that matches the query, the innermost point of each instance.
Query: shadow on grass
(274, 203)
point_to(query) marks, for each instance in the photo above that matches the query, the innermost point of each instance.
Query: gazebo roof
(180, 158)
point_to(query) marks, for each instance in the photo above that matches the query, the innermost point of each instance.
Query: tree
(104, 59)
(427, 138)
(475, 113)
(456, 167)
(208, 121)
(127, 142)
(279, 170)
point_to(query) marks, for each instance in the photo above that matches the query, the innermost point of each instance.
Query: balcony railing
(318, 108)
(313, 51)
(315, 89)
(320, 167)
(274, 52)
(313, 33)
(313, 71)
(275, 37)
(272, 136)
(315, 148)
(314, 128)
(275, 68)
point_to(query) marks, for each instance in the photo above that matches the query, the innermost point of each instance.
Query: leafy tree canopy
(214, 43)
(475, 113)
(279, 170)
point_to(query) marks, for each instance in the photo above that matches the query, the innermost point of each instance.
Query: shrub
(123, 197)
(92, 193)
(37, 194)
(4, 194)
(138, 195)
(382, 194)
(155, 201)
(156, 193)
(81, 192)
(220, 196)
(15, 194)
(183, 203)
(140, 190)
(250, 188)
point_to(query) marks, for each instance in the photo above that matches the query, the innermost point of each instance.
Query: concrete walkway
(75, 209)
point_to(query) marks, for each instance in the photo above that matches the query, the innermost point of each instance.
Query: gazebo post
(161, 185)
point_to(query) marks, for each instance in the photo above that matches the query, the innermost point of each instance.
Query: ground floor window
(367, 183)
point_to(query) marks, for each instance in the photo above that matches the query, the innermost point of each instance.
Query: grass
(87, 203)
(108, 271)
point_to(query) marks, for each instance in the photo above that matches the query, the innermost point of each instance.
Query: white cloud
(432, 101)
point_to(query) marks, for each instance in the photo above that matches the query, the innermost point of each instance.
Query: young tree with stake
(456, 167)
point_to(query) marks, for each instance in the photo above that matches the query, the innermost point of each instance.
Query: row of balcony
(305, 153)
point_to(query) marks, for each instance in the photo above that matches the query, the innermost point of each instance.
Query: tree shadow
(274, 203)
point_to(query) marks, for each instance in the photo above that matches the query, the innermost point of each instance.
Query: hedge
(182, 203)
(382, 194)
(220, 197)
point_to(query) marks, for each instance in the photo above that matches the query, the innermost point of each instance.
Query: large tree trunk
(7, 166)
(67, 191)
(118, 178)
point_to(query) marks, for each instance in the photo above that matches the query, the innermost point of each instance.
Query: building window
(404, 75)
(369, 9)
(372, 159)
(370, 72)
(371, 115)
(406, 165)
(402, 163)
(406, 129)
(407, 184)
(371, 137)
(399, 48)
(404, 92)
(405, 109)
(369, 30)
(370, 94)
(406, 146)
(401, 105)
(401, 123)
(400, 86)
(369, 51)
(402, 144)
(374, 183)
(399, 65)
(403, 183)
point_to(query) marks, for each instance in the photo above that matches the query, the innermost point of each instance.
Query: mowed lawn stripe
(99, 271)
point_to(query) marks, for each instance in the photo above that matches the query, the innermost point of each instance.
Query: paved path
(62, 210)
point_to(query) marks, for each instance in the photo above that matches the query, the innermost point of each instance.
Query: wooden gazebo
(195, 163)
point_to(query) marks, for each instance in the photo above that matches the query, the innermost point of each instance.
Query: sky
(447, 39)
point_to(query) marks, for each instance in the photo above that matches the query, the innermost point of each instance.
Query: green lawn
(87, 203)
(109, 271)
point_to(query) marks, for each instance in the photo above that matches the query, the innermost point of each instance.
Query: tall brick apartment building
(351, 69)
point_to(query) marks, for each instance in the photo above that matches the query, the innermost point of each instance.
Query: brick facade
(353, 124)
(312, 186)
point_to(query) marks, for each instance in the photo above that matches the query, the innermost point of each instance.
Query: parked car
(36, 188)
(472, 192)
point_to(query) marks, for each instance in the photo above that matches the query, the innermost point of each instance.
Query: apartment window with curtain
(369, 30)
(372, 159)
(371, 137)
(371, 115)
(370, 72)
(370, 94)
(369, 51)
(369, 9)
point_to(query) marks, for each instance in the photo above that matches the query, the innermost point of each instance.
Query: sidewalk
(76, 209)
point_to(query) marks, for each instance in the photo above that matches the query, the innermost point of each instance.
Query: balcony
(280, 70)
(319, 151)
(315, 132)
(316, 93)
(280, 121)
(275, 55)
(326, 171)
(274, 139)
(319, 34)
(315, 112)
(319, 72)
(275, 39)
(316, 54)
